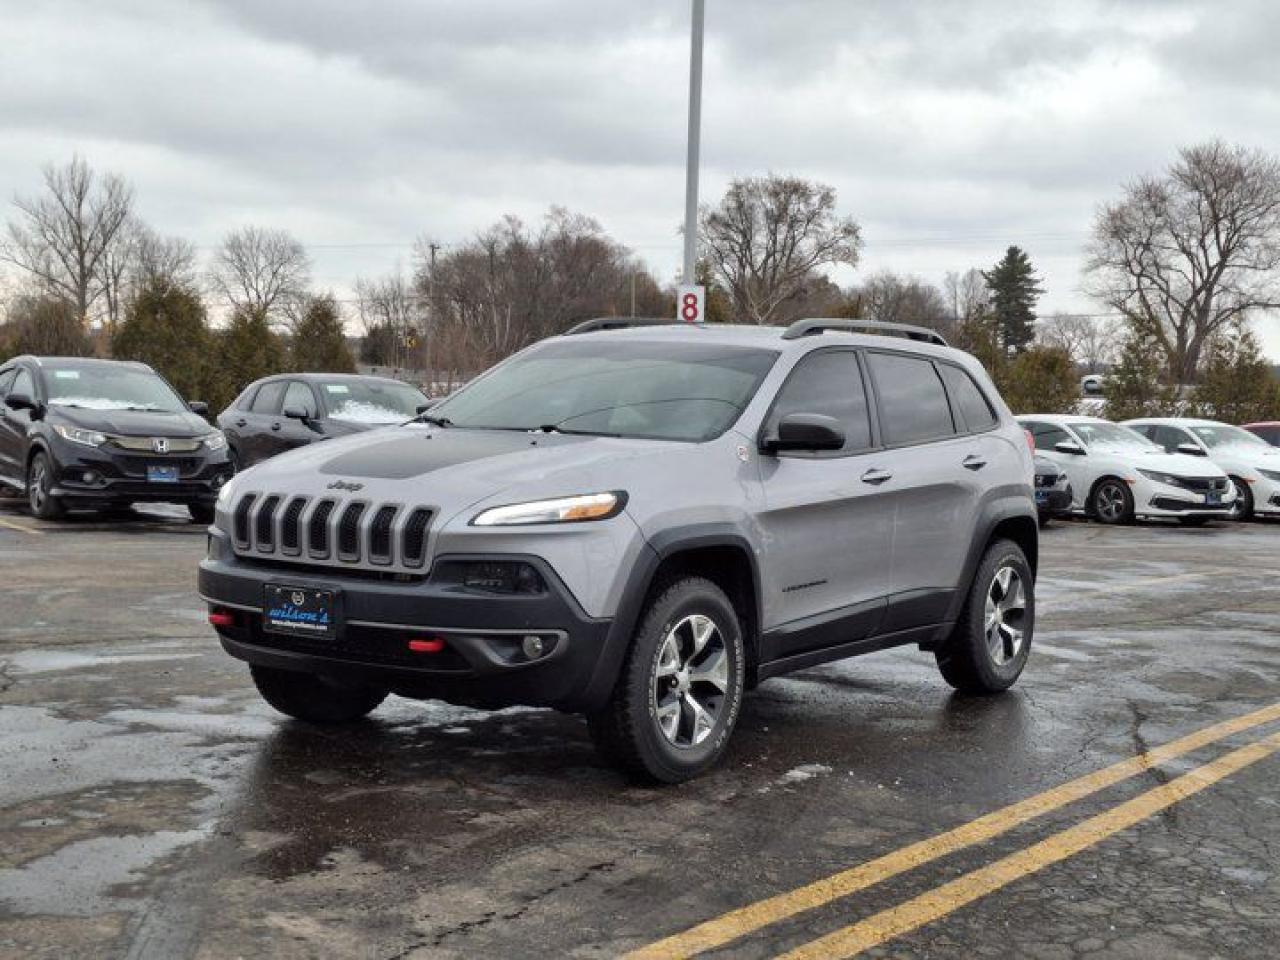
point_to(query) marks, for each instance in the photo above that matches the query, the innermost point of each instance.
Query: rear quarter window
(974, 407)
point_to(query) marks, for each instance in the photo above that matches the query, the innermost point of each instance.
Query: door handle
(241, 422)
(876, 477)
(974, 462)
(276, 425)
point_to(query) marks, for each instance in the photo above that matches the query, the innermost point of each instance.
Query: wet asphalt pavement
(152, 806)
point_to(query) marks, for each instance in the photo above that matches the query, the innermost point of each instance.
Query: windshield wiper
(553, 428)
(434, 421)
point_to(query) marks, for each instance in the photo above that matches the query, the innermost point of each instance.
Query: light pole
(695, 133)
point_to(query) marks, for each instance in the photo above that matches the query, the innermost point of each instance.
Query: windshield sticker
(66, 374)
(336, 388)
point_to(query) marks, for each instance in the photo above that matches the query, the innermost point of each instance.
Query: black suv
(283, 412)
(102, 433)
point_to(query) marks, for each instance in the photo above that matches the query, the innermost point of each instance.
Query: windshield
(110, 387)
(371, 401)
(1225, 435)
(621, 388)
(1100, 433)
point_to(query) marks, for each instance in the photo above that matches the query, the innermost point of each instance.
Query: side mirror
(20, 401)
(1191, 450)
(424, 407)
(297, 413)
(805, 431)
(198, 407)
(1069, 446)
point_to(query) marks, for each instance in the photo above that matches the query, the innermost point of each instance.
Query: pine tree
(1039, 380)
(1236, 383)
(1014, 291)
(1135, 387)
(319, 340)
(166, 326)
(245, 351)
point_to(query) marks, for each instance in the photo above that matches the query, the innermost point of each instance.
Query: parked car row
(103, 434)
(1186, 469)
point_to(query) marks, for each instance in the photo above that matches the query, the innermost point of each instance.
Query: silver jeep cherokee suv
(638, 522)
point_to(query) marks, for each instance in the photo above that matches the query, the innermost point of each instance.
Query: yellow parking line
(951, 896)
(21, 528)
(738, 923)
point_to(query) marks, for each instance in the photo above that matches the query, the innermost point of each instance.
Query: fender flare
(992, 515)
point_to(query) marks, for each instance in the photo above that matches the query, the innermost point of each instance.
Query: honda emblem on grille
(160, 444)
(345, 485)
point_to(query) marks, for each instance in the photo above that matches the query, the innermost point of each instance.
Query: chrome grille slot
(415, 537)
(349, 532)
(380, 550)
(289, 526)
(264, 524)
(318, 536)
(241, 522)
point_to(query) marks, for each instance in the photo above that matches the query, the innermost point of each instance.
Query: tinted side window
(913, 404)
(1047, 436)
(828, 383)
(269, 397)
(299, 395)
(1170, 438)
(23, 383)
(6, 378)
(975, 409)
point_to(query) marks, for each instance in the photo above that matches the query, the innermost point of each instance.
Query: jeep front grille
(330, 532)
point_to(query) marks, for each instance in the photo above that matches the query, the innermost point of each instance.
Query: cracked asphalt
(152, 806)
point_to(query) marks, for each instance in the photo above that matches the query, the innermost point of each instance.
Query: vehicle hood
(450, 469)
(132, 423)
(1178, 464)
(1242, 458)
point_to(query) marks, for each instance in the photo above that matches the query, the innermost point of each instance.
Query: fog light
(89, 478)
(432, 645)
(533, 646)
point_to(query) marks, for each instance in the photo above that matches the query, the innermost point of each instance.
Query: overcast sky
(950, 129)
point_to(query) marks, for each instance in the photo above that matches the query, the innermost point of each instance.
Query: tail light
(1031, 441)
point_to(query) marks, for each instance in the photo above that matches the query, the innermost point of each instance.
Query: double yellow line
(942, 900)
(20, 527)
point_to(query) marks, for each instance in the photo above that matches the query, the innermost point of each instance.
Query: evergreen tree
(1039, 380)
(166, 326)
(1014, 291)
(1236, 382)
(319, 340)
(1135, 387)
(245, 351)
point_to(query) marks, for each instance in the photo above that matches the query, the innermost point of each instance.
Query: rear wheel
(314, 698)
(39, 484)
(1243, 507)
(1112, 502)
(992, 638)
(677, 698)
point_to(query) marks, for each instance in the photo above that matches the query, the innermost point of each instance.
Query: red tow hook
(431, 645)
(222, 618)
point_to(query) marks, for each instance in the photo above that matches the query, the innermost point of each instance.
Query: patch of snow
(357, 412)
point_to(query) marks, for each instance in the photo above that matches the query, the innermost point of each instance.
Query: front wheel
(43, 503)
(992, 638)
(201, 512)
(677, 698)
(1112, 502)
(1242, 509)
(314, 698)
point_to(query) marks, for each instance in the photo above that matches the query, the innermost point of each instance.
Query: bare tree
(967, 296)
(768, 236)
(65, 238)
(260, 269)
(1092, 342)
(1184, 254)
(163, 261)
(391, 317)
(897, 299)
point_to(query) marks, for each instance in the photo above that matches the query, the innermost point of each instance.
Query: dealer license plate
(162, 474)
(300, 611)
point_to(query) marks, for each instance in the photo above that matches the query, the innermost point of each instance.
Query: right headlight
(576, 509)
(1165, 478)
(1271, 475)
(88, 438)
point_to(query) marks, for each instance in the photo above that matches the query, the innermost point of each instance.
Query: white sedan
(1117, 474)
(1252, 464)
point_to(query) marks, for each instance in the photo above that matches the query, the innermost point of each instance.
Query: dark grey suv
(639, 524)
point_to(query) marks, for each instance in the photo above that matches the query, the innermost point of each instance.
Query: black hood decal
(131, 423)
(412, 454)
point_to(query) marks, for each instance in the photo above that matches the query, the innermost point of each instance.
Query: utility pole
(695, 133)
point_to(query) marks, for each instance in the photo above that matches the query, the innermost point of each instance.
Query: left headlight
(1271, 475)
(90, 438)
(575, 509)
(214, 441)
(1165, 478)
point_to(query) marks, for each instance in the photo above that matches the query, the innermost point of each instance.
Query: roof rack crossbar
(623, 323)
(811, 327)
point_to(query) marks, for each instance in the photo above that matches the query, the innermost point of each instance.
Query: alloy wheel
(1006, 610)
(691, 681)
(1111, 503)
(37, 486)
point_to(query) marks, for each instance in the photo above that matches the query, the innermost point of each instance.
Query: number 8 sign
(689, 303)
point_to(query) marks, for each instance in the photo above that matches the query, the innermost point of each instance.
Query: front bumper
(91, 475)
(1053, 501)
(1162, 500)
(482, 662)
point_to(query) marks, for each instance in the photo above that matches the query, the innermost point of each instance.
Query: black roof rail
(623, 323)
(808, 328)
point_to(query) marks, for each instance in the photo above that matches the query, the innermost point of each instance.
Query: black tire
(1111, 502)
(201, 512)
(313, 698)
(41, 502)
(233, 458)
(1244, 501)
(968, 659)
(628, 731)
